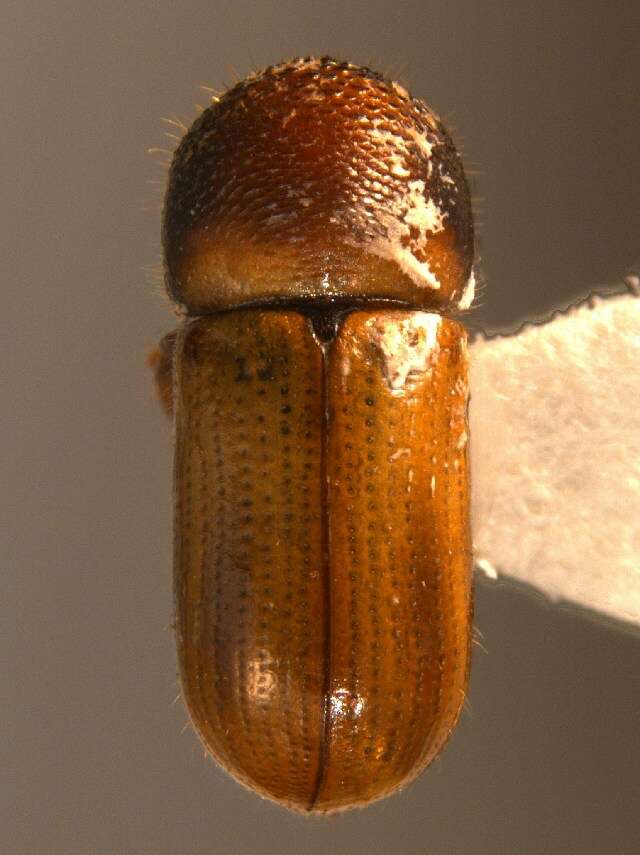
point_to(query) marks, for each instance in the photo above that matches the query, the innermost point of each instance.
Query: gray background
(544, 99)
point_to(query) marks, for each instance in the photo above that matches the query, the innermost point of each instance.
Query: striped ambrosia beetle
(318, 234)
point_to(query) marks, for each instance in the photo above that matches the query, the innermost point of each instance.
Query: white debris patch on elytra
(459, 402)
(555, 456)
(408, 347)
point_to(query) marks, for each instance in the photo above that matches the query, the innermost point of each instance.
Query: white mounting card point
(555, 455)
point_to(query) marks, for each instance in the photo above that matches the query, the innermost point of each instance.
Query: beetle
(318, 236)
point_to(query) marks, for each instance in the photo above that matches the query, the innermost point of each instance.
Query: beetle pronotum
(318, 233)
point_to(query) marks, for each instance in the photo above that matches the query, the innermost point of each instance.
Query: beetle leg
(160, 361)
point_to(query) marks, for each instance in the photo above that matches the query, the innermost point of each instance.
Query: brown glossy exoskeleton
(318, 234)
